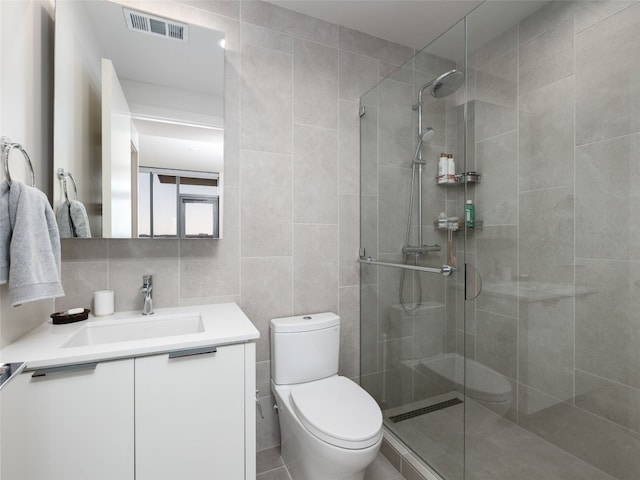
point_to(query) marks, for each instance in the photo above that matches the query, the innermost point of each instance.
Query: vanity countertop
(45, 346)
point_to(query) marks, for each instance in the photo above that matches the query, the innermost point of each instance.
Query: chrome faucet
(146, 289)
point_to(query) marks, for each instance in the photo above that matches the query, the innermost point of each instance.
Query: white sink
(136, 329)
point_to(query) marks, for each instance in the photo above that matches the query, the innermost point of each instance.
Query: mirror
(138, 124)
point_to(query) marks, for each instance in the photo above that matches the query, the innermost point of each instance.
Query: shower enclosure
(508, 348)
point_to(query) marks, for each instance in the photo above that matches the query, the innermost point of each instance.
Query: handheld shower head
(425, 136)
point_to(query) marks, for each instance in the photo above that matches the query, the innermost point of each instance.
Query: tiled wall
(291, 232)
(558, 316)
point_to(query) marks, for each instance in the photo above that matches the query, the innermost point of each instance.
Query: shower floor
(497, 449)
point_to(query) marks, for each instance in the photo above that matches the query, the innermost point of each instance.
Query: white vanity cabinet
(186, 414)
(72, 423)
(190, 409)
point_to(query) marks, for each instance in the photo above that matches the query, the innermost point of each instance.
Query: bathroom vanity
(166, 397)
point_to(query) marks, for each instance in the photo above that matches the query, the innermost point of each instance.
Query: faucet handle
(147, 281)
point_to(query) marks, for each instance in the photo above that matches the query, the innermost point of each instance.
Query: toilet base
(309, 458)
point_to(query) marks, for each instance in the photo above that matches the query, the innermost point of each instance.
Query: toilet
(330, 427)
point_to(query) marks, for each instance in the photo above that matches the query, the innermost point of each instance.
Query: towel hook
(62, 175)
(7, 146)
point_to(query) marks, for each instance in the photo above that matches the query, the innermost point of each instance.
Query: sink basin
(136, 329)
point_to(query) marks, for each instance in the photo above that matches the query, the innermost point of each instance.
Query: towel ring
(62, 175)
(7, 146)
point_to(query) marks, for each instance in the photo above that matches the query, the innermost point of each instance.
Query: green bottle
(469, 214)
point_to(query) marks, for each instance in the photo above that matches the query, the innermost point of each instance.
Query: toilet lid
(338, 411)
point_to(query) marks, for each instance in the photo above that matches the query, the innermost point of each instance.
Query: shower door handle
(444, 270)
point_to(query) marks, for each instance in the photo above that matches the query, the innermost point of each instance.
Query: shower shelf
(468, 178)
(454, 227)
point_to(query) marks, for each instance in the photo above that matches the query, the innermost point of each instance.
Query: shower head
(441, 86)
(425, 136)
(447, 83)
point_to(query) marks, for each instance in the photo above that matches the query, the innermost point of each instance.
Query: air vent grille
(156, 26)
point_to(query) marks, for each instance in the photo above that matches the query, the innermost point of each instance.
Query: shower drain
(424, 410)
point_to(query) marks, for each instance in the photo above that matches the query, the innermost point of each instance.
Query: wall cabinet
(173, 416)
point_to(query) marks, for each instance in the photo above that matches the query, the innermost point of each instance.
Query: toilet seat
(338, 411)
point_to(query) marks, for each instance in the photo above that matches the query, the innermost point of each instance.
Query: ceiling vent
(157, 26)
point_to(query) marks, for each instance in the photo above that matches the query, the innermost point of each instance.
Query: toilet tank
(304, 348)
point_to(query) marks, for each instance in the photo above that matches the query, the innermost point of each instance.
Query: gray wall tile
(595, 12)
(368, 152)
(277, 18)
(315, 175)
(315, 84)
(266, 204)
(349, 147)
(546, 236)
(606, 223)
(397, 137)
(266, 293)
(349, 240)
(266, 38)
(358, 74)
(546, 18)
(231, 131)
(266, 100)
(496, 343)
(613, 401)
(383, 50)
(497, 199)
(497, 81)
(546, 58)
(607, 298)
(227, 8)
(315, 268)
(546, 136)
(349, 311)
(80, 280)
(606, 109)
(545, 346)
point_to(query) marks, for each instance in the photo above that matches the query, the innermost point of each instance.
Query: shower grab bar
(444, 270)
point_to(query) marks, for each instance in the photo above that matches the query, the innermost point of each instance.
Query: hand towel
(63, 218)
(34, 272)
(5, 232)
(79, 219)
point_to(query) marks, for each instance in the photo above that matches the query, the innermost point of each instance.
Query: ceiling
(415, 23)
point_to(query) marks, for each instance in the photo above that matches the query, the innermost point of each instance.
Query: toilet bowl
(330, 427)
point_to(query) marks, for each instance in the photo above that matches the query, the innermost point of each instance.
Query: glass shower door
(413, 308)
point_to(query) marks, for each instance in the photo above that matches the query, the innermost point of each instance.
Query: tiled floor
(495, 447)
(270, 467)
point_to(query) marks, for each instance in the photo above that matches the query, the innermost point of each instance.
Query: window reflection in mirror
(175, 203)
(128, 100)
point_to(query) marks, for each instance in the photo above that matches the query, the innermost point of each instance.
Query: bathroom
(294, 85)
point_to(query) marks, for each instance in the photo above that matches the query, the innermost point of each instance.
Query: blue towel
(34, 272)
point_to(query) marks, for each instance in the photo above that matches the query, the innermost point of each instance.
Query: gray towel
(73, 220)
(63, 218)
(80, 219)
(34, 272)
(5, 232)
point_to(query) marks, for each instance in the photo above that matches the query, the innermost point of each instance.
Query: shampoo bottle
(469, 214)
(451, 169)
(443, 166)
